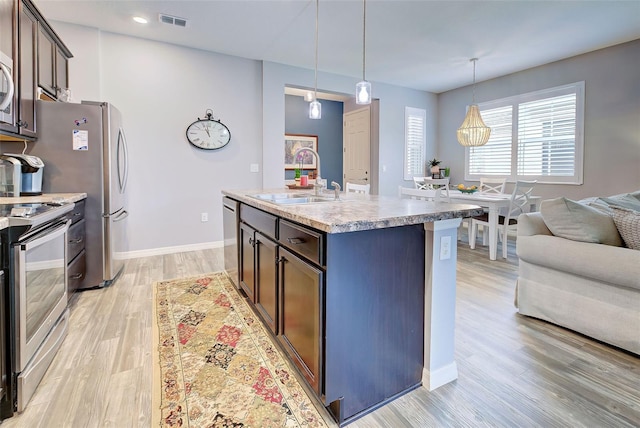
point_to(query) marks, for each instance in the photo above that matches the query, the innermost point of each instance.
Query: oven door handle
(49, 235)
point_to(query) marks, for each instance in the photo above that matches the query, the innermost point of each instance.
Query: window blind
(537, 135)
(415, 142)
(494, 158)
(546, 136)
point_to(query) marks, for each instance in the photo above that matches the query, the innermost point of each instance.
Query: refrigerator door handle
(121, 216)
(123, 160)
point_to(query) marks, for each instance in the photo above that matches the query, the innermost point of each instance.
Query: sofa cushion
(628, 224)
(578, 222)
(625, 201)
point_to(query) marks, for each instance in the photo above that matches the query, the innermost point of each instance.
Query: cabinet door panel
(267, 280)
(62, 74)
(247, 260)
(302, 287)
(27, 111)
(46, 62)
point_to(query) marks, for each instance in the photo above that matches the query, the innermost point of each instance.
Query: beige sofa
(589, 287)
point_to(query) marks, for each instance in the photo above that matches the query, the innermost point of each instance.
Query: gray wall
(612, 117)
(392, 101)
(161, 88)
(328, 129)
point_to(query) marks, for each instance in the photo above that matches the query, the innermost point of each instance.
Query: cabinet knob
(22, 124)
(252, 242)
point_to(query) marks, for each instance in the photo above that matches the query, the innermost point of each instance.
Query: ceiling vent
(172, 20)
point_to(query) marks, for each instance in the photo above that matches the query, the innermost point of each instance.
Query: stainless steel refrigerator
(84, 149)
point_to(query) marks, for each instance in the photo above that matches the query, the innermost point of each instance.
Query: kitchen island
(359, 292)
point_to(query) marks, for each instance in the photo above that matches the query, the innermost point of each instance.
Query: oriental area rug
(216, 366)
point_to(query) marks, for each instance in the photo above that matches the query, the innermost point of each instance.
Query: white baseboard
(437, 378)
(170, 250)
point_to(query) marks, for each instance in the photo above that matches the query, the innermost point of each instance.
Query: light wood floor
(513, 371)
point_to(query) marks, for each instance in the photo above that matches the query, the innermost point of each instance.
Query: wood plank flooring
(513, 371)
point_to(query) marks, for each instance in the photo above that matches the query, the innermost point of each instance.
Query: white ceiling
(418, 44)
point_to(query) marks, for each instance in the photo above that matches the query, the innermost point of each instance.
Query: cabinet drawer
(301, 240)
(263, 222)
(78, 212)
(76, 272)
(75, 239)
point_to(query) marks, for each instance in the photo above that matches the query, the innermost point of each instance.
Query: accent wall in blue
(328, 129)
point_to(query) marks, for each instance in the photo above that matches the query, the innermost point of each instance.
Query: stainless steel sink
(292, 198)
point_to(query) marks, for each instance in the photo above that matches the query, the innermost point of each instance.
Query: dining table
(493, 202)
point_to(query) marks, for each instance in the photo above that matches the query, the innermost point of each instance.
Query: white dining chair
(435, 195)
(492, 185)
(518, 204)
(428, 183)
(419, 182)
(357, 188)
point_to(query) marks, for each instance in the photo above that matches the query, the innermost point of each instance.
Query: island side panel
(374, 315)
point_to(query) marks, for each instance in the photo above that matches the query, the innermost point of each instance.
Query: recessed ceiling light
(140, 20)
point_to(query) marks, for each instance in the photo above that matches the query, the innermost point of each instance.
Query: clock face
(208, 134)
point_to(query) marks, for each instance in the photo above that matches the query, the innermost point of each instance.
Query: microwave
(6, 89)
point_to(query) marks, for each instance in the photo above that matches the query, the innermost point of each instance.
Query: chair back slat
(520, 202)
(492, 185)
(428, 183)
(357, 188)
(435, 195)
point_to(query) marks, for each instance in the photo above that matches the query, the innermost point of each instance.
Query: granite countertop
(45, 198)
(356, 212)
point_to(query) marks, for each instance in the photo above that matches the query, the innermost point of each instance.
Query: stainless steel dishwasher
(230, 213)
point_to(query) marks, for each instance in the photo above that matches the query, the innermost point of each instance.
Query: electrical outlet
(204, 217)
(445, 248)
(254, 167)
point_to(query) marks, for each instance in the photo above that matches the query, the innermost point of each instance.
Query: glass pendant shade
(363, 88)
(315, 110)
(473, 132)
(363, 92)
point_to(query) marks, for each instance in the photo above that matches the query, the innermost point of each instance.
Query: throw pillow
(573, 220)
(628, 224)
(623, 201)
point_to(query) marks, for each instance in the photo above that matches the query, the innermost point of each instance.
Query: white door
(356, 146)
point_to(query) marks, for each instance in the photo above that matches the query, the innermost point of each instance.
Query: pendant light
(473, 132)
(363, 88)
(315, 108)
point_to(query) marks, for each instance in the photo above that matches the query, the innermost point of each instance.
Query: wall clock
(208, 133)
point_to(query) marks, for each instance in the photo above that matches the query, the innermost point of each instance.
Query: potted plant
(433, 164)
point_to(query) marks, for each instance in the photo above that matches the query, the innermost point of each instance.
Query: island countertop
(355, 212)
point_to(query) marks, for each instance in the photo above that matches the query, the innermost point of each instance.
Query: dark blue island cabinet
(350, 306)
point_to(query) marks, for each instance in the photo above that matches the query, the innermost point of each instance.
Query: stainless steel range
(34, 249)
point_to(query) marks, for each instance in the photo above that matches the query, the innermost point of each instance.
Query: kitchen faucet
(319, 183)
(336, 188)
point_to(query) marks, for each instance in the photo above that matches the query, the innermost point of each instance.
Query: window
(534, 136)
(414, 142)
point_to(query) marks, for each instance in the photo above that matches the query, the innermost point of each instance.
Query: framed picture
(307, 159)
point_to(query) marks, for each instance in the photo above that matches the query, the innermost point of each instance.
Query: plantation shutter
(494, 158)
(415, 142)
(546, 137)
(534, 136)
